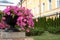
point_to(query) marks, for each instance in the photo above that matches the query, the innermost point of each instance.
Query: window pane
(58, 3)
(43, 6)
(50, 5)
(49, 0)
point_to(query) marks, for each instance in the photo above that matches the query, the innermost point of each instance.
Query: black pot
(11, 22)
(11, 29)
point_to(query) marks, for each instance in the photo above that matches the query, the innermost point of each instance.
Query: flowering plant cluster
(24, 19)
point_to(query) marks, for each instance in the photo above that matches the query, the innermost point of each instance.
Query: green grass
(47, 36)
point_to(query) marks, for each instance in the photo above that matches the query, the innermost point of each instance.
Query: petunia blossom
(24, 20)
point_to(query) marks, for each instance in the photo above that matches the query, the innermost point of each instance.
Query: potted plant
(20, 16)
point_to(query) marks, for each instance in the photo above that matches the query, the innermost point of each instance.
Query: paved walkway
(29, 38)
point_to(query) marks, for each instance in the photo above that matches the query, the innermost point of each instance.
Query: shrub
(35, 32)
(53, 26)
(1, 15)
(54, 30)
(38, 29)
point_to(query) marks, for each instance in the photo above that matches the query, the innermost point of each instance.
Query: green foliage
(35, 32)
(1, 15)
(54, 30)
(39, 27)
(53, 26)
(42, 22)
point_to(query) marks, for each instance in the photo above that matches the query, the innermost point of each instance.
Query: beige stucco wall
(34, 6)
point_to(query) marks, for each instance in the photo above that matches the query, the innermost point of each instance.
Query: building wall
(38, 10)
(24, 3)
(53, 5)
(34, 6)
(52, 13)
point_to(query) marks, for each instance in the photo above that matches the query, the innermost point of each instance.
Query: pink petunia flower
(20, 13)
(3, 18)
(24, 16)
(27, 30)
(29, 26)
(8, 13)
(22, 28)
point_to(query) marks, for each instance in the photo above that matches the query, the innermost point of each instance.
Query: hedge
(52, 26)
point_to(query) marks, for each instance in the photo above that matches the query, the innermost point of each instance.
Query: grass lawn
(47, 36)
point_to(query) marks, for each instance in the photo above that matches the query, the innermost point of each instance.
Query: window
(58, 3)
(50, 5)
(43, 7)
(49, 0)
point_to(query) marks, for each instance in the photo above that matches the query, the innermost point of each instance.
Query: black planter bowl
(11, 22)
